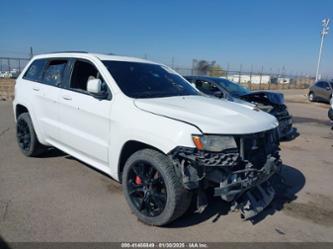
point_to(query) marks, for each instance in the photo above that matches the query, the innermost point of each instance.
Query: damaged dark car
(270, 102)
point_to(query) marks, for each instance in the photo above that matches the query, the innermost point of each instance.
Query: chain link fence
(255, 80)
(11, 67)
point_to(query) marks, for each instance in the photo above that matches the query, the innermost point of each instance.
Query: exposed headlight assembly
(214, 143)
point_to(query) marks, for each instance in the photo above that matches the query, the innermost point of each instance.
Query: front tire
(26, 136)
(153, 189)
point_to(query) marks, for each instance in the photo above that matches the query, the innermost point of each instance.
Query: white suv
(144, 125)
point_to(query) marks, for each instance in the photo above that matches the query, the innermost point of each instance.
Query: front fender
(159, 132)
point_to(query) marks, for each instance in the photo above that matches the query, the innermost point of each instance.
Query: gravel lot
(58, 198)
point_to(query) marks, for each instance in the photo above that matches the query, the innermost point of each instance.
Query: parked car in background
(270, 102)
(144, 125)
(321, 91)
(330, 111)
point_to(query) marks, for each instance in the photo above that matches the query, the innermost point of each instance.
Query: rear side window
(325, 84)
(54, 72)
(35, 70)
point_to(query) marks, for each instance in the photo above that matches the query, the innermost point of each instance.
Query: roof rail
(59, 52)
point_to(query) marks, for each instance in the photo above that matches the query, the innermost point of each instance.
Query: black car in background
(321, 91)
(270, 102)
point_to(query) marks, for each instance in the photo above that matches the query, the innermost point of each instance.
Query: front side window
(35, 70)
(84, 71)
(54, 72)
(206, 87)
(232, 88)
(144, 80)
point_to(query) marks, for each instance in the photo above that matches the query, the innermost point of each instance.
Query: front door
(85, 120)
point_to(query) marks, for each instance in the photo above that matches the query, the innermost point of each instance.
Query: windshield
(232, 88)
(144, 80)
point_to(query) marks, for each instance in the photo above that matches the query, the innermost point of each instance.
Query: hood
(210, 115)
(242, 102)
(264, 97)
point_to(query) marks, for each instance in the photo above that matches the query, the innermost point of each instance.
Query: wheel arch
(19, 109)
(128, 149)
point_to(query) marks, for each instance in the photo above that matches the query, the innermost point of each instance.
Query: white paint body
(95, 131)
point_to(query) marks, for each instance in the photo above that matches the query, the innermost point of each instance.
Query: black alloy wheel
(26, 136)
(23, 135)
(146, 189)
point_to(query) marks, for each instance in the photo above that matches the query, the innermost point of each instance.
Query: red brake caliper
(138, 180)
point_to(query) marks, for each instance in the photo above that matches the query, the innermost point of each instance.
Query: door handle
(67, 97)
(35, 89)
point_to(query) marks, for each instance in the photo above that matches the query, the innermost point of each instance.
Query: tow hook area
(254, 201)
(246, 186)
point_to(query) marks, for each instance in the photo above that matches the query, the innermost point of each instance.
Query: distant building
(5, 74)
(9, 74)
(281, 80)
(247, 78)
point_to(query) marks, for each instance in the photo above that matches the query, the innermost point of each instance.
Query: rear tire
(26, 136)
(330, 114)
(311, 97)
(175, 199)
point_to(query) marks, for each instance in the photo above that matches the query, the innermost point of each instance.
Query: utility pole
(325, 24)
(31, 53)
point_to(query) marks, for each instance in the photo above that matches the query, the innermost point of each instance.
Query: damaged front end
(273, 103)
(238, 175)
(281, 113)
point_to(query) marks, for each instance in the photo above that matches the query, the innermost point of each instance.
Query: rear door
(45, 95)
(53, 78)
(85, 120)
(326, 91)
(33, 87)
(320, 90)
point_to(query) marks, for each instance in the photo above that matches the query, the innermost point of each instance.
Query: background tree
(216, 71)
(203, 67)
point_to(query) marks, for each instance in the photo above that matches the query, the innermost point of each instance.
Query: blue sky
(269, 33)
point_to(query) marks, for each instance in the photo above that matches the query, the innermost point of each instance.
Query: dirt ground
(58, 198)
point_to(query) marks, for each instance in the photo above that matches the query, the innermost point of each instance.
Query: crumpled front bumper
(233, 178)
(240, 181)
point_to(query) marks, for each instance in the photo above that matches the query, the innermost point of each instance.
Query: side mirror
(94, 86)
(328, 88)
